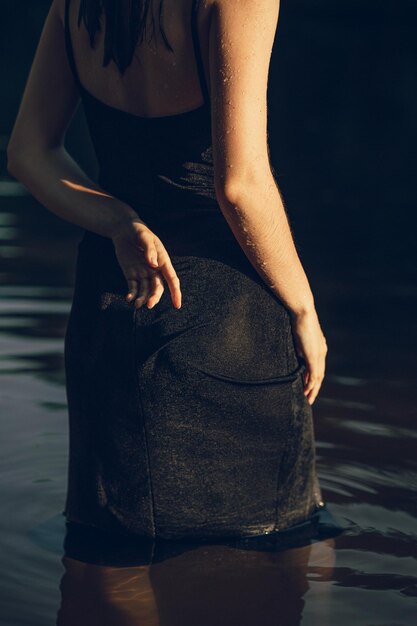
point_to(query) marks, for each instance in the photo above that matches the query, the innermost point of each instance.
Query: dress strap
(197, 51)
(68, 44)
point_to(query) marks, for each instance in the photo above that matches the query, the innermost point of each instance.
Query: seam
(278, 498)
(145, 438)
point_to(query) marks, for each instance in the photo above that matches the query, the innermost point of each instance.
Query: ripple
(346, 404)
(380, 430)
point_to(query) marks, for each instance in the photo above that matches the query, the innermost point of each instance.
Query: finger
(315, 388)
(156, 290)
(143, 292)
(314, 375)
(132, 286)
(147, 242)
(151, 256)
(308, 378)
(312, 381)
(173, 282)
(174, 287)
(169, 273)
(309, 386)
(313, 395)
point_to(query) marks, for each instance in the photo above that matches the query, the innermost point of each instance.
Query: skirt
(188, 423)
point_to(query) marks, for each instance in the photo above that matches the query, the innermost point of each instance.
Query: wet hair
(125, 26)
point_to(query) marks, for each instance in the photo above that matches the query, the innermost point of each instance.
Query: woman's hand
(145, 263)
(311, 345)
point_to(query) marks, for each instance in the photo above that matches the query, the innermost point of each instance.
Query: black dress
(186, 422)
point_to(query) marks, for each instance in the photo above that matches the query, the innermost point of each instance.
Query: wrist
(305, 309)
(121, 222)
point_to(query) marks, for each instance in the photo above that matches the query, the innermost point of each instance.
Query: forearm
(58, 183)
(256, 214)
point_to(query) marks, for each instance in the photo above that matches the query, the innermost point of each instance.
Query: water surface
(365, 421)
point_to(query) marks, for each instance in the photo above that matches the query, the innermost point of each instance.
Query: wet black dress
(189, 422)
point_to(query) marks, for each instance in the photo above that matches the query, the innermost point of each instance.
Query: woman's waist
(180, 225)
(179, 239)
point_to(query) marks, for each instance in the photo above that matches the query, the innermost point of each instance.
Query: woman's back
(159, 81)
(160, 164)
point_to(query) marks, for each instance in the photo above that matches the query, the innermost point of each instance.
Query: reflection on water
(205, 585)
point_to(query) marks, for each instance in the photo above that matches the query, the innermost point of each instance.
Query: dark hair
(125, 25)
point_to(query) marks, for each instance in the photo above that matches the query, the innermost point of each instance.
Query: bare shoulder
(262, 10)
(242, 29)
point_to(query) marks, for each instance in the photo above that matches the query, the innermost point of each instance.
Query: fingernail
(154, 261)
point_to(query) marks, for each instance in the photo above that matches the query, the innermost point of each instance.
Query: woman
(190, 416)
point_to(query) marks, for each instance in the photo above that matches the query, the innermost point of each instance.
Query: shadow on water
(349, 194)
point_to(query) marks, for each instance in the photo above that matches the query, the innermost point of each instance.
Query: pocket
(287, 378)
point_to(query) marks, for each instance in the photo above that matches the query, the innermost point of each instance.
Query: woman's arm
(36, 155)
(241, 37)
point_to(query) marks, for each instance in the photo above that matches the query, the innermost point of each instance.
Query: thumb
(149, 249)
(152, 256)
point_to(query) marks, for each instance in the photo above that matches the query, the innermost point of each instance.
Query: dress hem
(184, 537)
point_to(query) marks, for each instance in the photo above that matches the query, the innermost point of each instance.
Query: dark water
(365, 420)
(343, 97)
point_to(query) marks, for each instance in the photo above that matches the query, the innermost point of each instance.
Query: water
(365, 419)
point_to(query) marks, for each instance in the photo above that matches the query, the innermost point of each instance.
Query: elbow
(233, 191)
(20, 158)
(227, 192)
(14, 161)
